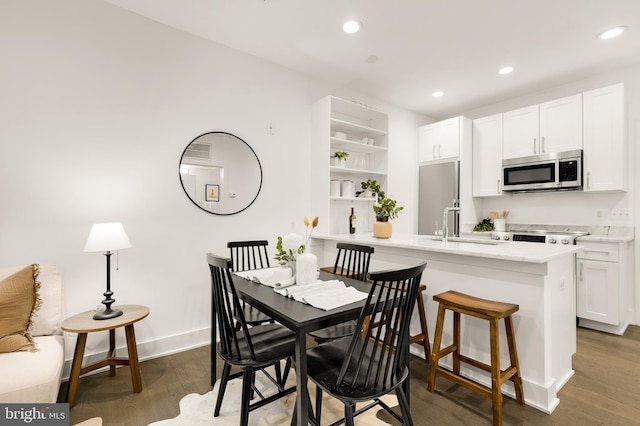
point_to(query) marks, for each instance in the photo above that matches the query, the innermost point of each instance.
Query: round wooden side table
(83, 324)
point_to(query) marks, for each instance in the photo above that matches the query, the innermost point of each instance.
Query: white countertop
(513, 251)
(606, 238)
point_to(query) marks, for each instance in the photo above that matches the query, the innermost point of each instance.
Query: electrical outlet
(599, 214)
(621, 214)
(271, 128)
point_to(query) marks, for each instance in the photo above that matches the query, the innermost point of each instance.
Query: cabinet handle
(534, 145)
(433, 154)
(588, 180)
(607, 252)
(581, 270)
(439, 151)
(498, 186)
(542, 150)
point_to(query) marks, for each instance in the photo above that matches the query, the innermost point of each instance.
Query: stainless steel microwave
(546, 172)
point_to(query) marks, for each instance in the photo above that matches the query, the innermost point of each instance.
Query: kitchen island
(540, 278)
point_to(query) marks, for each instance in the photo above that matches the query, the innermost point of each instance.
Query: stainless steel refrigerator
(439, 187)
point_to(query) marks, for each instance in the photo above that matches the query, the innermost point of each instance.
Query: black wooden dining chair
(251, 348)
(352, 260)
(374, 361)
(246, 255)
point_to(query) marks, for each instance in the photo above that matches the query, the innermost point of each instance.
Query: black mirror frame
(252, 151)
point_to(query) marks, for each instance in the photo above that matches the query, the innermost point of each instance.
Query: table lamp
(107, 237)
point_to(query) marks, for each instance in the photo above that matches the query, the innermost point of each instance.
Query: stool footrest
(475, 363)
(463, 381)
(444, 352)
(505, 375)
(508, 374)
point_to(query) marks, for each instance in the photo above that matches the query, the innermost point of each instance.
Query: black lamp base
(107, 314)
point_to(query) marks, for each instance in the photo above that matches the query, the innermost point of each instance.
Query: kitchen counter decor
(499, 220)
(384, 209)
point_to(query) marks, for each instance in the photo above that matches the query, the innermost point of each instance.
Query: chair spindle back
(247, 255)
(225, 302)
(353, 261)
(377, 357)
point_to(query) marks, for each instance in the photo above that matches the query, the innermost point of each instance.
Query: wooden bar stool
(422, 338)
(491, 311)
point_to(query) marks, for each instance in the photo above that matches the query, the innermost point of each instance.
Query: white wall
(97, 106)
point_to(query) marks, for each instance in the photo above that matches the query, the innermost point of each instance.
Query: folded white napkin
(300, 289)
(273, 277)
(335, 298)
(325, 295)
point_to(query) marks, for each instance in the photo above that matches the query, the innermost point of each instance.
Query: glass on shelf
(362, 161)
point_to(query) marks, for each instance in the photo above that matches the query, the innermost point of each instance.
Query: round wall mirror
(220, 173)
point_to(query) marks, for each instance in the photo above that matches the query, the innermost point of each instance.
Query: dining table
(300, 318)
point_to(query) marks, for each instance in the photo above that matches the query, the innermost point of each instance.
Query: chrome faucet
(445, 226)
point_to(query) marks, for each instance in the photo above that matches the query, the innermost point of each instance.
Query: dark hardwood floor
(604, 391)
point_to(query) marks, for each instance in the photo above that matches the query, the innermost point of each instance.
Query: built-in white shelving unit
(368, 159)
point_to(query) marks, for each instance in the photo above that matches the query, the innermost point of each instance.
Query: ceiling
(421, 46)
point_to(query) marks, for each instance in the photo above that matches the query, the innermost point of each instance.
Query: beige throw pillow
(19, 300)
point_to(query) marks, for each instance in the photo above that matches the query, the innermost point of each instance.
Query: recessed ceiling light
(506, 70)
(611, 33)
(352, 27)
(437, 93)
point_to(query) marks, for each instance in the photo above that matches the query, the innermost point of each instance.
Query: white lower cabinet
(601, 286)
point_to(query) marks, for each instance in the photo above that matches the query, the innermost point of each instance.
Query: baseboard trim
(149, 349)
(607, 328)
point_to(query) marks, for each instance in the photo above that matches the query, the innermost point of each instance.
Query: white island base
(540, 280)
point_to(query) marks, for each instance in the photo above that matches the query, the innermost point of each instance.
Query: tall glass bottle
(352, 222)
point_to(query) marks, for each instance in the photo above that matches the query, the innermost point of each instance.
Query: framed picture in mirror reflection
(212, 192)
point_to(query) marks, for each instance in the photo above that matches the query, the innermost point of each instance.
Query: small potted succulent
(339, 159)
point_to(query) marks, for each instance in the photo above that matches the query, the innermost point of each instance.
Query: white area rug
(197, 410)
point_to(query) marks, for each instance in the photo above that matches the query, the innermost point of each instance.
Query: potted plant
(385, 208)
(340, 158)
(370, 189)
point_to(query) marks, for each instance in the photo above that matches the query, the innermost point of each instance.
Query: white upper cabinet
(439, 141)
(592, 121)
(604, 142)
(553, 126)
(521, 132)
(427, 143)
(487, 158)
(561, 125)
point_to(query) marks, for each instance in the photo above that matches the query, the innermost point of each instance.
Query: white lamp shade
(107, 237)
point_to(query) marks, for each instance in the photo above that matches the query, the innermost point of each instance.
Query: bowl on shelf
(340, 135)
